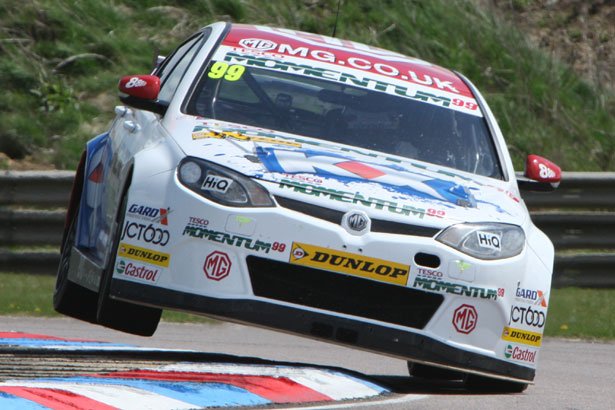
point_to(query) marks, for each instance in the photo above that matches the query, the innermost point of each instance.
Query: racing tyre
(427, 372)
(69, 298)
(117, 314)
(481, 384)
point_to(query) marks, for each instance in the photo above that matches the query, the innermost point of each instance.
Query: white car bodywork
(299, 265)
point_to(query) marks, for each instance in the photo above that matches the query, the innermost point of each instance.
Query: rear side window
(174, 66)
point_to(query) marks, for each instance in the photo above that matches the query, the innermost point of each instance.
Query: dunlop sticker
(143, 255)
(522, 336)
(349, 263)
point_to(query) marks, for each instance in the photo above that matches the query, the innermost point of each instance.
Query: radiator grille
(341, 293)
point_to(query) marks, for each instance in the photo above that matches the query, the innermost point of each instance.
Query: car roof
(344, 53)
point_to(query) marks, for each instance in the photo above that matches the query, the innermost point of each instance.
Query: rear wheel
(69, 298)
(481, 384)
(117, 314)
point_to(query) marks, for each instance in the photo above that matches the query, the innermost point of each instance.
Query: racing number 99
(230, 73)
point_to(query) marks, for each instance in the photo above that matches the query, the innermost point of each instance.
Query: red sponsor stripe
(56, 399)
(19, 335)
(360, 169)
(276, 389)
(369, 59)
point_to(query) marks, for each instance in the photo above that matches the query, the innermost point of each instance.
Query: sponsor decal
(146, 213)
(310, 179)
(217, 265)
(527, 316)
(354, 198)
(216, 183)
(225, 238)
(347, 53)
(349, 263)
(522, 336)
(143, 255)
(465, 318)
(135, 82)
(257, 44)
(489, 240)
(229, 72)
(536, 297)
(454, 288)
(546, 172)
(140, 272)
(200, 132)
(413, 91)
(194, 221)
(525, 355)
(346, 169)
(147, 233)
(429, 273)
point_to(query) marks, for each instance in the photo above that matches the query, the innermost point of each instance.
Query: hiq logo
(489, 240)
(216, 183)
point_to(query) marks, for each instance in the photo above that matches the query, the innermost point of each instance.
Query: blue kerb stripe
(10, 402)
(203, 394)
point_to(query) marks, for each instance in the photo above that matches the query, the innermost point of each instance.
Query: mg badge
(356, 222)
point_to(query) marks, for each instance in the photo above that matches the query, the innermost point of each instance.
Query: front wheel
(69, 298)
(117, 314)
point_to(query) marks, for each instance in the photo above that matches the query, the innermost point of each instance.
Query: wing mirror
(540, 175)
(141, 91)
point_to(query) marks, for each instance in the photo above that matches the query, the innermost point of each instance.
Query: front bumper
(399, 343)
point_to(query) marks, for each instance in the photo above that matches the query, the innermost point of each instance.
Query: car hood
(343, 177)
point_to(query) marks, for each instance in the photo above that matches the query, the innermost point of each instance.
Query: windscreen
(353, 113)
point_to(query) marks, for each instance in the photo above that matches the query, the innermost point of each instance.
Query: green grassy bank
(60, 61)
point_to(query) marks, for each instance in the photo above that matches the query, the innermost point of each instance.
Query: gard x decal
(156, 215)
(349, 263)
(455, 288)
(536, 297)
(200, 132)
(522, 336)
(143, 255)
(222, 237)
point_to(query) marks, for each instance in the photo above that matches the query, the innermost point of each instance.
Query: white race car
(315, 186)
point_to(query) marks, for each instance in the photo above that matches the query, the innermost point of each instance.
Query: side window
(174, 67)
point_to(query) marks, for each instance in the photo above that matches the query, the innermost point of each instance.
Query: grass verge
(573, 312)
(32, 295)
(60, 61)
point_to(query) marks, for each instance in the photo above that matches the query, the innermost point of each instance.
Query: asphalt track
(572, 374)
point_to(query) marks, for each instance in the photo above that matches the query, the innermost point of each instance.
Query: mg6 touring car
(316, 186)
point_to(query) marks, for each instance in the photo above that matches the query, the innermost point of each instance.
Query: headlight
(485, 240)
(221, 184)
